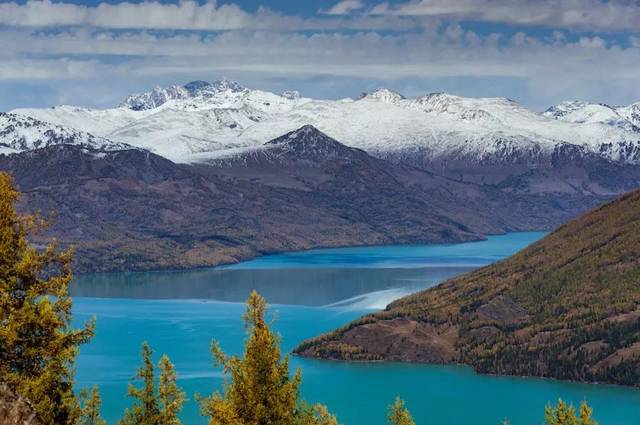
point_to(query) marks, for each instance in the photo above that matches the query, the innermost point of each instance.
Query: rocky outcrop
(15, 409)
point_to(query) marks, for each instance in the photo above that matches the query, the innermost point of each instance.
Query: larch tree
(170, 396)
(38, 345)
(565, 414)
(399, 414)
(154, 407)
(145, 411)
(258, 389)
(90, 408)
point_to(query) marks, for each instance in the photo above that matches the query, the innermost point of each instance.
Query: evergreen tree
(90, 408)
(565, 414)
(38, 346)
(399, 414)
(171, 397)
(259, 390)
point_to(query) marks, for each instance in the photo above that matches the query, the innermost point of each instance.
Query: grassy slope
(566, 307)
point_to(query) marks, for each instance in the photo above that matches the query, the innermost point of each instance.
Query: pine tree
(399, 414)
(38, 346)
(259, 390)
(90, 408)
(565, 414)
(171, 397)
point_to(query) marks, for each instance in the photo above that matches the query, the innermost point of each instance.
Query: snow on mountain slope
(631, 113)
(201, 121)
(19, 133)
(99, 122)
(626, 118)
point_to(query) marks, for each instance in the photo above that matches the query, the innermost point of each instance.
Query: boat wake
(376, 300)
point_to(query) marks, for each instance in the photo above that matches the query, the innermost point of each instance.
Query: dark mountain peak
(308, 141)
(304, 133)
(200, 87)
(197, 85)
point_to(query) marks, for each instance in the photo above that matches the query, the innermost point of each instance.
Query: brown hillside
(566, 307)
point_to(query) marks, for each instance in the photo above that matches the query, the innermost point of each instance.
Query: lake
(179, 313)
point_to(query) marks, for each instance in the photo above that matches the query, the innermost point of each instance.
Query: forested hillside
(566, 307)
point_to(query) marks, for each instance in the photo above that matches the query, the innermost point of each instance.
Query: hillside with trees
(566, 307)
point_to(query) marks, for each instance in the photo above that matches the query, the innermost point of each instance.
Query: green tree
(318, 414)
(90, 408)
(154, 407)
(171, 397)
(38, 346)
(565, 414)
(258, 389)
(399, 414)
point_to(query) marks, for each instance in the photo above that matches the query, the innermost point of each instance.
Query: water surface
(313, 292)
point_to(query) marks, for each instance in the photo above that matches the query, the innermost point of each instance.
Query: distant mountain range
(566, 307)
(133, 210)
(379, 169)
(571, 147)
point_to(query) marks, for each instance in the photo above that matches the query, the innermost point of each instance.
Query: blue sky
(537, 52)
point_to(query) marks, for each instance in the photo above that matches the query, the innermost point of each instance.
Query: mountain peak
(384, 95)
(304, 134)
(194, 89)
(564, 108)
(309, 142)
(291, 94)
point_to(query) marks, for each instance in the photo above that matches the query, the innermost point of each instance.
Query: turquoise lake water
(312, 292)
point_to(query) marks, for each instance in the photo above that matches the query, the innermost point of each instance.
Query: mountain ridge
(135, 210)
(210, 120)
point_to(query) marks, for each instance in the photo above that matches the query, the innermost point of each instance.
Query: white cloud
(448, 53)
(344, 7)
(585, 14)
(185, 15)
(49, 43)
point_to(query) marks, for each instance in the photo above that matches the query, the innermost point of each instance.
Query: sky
(93, 53)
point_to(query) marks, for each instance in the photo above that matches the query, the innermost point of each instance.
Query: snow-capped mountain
(195, 90)
(201, 121)
(20, 133)
(626, 117)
